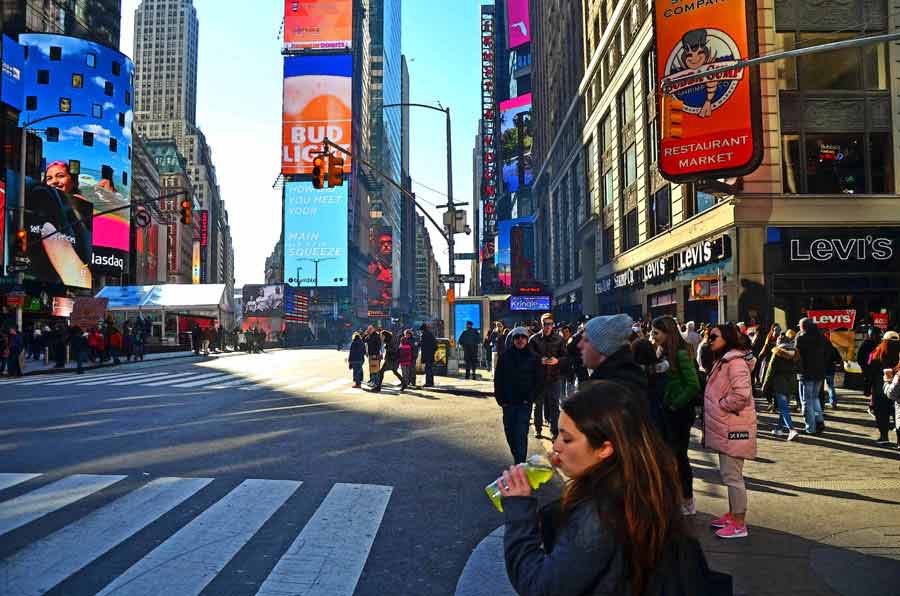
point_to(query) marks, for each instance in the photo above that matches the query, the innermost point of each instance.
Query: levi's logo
(738, 435)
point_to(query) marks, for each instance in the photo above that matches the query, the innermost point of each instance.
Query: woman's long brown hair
(674, 340)
(636, 490)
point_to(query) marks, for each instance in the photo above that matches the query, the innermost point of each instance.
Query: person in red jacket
(406, 360)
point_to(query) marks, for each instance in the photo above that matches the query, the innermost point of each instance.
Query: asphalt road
(240, 475)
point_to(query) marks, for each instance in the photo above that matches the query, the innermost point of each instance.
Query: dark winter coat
(576, 365)
(373, 344)
(781, 372)
(357, 351)
(815, 355)
(550, 346)
(470, 341)
(517, 377)
(428, 345)
(620, 367)
(584, 558)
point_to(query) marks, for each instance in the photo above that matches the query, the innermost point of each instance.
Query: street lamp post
(316, 279)
(20, 218)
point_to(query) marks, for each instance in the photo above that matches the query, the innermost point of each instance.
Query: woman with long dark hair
(682, 391)
(730, 421)
(883, 357)
(621, 509)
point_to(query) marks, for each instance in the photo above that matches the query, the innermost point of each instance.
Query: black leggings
(678, 437)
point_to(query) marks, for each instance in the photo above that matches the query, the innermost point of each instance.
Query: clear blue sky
(239, 110)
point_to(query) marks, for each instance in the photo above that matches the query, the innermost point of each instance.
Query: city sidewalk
(33, 367)
(482, 386)
(822, 514)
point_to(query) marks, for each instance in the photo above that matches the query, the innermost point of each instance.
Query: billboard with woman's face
(88, 153)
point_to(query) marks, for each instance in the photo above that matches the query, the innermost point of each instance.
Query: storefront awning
(173, 297)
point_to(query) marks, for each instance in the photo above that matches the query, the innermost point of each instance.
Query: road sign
(457, 278)
(466, 256)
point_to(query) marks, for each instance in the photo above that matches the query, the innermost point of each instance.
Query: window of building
(55, 53)
(31, 103)
(108, 88)
(90, 59)
(77, 80)
(87, 139)
(627, 148)
(43, 77)
(97, 110)
(121, 119)
(65, 104)
(651, 133)
(124, 178)
(113, 145)
(846, 69)
(116, 68)
(52, 134)
(629, 232)
(659, 218)
(837, 163)
(609, 240)
(128, 98)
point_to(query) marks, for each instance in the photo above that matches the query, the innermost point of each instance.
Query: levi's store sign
(833, 319)
(711, 125)
(833, 250)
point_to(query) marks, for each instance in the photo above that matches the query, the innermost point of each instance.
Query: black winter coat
(584, 558)
(815, 355)
(428, 346)
(781, 373)
(516, 378)
(620, 367)
(357, 351)
(373, 344)
(550, 346)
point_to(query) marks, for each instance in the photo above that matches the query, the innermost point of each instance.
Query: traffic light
(335, 170)
(672, 116)
(22, 241)
(319, 171)
(705, 287)
(186, 206)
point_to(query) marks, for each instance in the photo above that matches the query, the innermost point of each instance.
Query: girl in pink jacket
(730, 422)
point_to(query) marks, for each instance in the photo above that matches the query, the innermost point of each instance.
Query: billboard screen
(317, 104)
(88, 155)
(516, 139)
(318, 24)
(263, 301)
(63, 257)
(2, 225)
(195, 262)
(514, 256)
(529, 303)
(12, 87)
(720, 128)
(315, 235)
(518, 22)
(464, 312)
(381, 273)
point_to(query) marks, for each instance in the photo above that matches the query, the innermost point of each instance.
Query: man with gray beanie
(605, 350)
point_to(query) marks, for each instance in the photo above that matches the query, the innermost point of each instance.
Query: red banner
(833, 319)
(881, 320)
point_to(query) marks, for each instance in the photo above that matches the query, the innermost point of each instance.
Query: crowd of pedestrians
(386, 351)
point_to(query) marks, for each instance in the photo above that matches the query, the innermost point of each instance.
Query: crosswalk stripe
(44, 564)
(65, 378)
(185, 563)
(8, 480)
(140, 380)
(22, 510)
(192, 383)
(233, 384)
(96, 381)
(304, 383)
(172, 380)
(328, 556)
(330, 386)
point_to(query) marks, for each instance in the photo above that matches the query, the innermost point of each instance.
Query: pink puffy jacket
(729, 412)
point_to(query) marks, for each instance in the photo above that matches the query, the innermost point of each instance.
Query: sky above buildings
(239, 110)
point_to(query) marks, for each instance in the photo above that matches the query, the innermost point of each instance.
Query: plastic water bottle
(537, 469)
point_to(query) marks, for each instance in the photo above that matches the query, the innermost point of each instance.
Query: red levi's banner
(880, 320)
(833, 319)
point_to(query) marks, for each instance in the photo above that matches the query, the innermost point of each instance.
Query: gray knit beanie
(608, 334)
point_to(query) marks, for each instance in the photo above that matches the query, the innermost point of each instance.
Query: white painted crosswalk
(201, 379)
(325, 556)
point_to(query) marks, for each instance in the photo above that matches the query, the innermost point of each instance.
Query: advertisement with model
(317, 104)
(263, 301)
(88, 154)
(318, 24)
(516, 140)
(315, 235)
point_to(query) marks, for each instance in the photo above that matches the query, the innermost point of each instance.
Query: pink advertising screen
(518, 22)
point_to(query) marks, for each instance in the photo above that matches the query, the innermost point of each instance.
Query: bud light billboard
(87, 88)
(315, 235)
(317, 104)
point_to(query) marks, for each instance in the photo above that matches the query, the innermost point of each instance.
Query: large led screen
(516, 139)
(317, 104)
(12, 88)
(315, 235)
(464, 312)
(515, 257)
(381, 272)
(263, 301)
(318, 24)
(518, 22)
(88, 155)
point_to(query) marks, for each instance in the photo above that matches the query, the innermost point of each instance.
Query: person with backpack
(391, 361)
(681, 394)
(729, 417)
(780, 382)
(618, 528)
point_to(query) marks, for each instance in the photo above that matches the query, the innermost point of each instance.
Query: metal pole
(451, 229)
(20, 223)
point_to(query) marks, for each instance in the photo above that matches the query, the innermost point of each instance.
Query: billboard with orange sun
(316, 105)
(318, 24)
(709, 106)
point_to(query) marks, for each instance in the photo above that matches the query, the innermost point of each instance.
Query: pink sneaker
(733, 530)
(722, 522)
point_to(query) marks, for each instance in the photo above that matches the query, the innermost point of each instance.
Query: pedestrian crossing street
(326, 557)
(199, 379)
